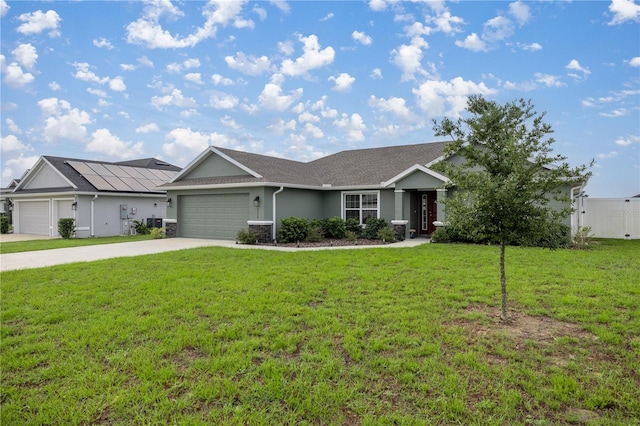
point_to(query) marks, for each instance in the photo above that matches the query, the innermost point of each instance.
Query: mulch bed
(331, 243)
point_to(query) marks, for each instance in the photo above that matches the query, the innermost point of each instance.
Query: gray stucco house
(104, 198)
(223, 190)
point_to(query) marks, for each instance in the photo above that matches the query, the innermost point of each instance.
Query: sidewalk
(45, 258)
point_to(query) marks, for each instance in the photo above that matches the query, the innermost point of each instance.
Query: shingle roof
(359, 167)
(81, 183)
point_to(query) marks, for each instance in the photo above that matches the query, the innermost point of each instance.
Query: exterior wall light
(74, 206)
(168, 202)
(256, 201)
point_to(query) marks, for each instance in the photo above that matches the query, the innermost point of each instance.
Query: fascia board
(203, 155)
(90, 193)
(413, 169)
(269, 184)
(36, 169)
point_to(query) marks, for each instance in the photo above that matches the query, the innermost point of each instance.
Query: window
(360, 206)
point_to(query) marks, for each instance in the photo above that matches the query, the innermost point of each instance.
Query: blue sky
(303, 79)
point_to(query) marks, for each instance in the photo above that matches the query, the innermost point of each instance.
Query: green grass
(35, 245)
(375, 336)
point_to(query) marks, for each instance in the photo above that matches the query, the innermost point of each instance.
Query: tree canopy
(508, 187)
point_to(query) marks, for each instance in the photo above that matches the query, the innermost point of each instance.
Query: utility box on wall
(154, 222)
(124, 212)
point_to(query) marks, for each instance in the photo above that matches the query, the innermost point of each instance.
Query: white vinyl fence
(609, 217)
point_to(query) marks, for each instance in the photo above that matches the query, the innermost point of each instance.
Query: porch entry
(428, 212)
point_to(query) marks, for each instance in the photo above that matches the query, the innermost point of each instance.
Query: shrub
(387, 234)
(157, 233)
(335, 227)
(66, 227)
(140, 227)
(373, 226)
(582, 237)
(351, 236)
(4, 225)
(247, 236)
(440, 235)
(293, 229)
(314, 233)
(353, 225)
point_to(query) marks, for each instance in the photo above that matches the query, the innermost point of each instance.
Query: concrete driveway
(45, 258)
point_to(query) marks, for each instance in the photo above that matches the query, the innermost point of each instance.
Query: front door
(428, 213)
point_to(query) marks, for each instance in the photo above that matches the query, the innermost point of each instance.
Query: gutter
(273, 216)
(95, 197)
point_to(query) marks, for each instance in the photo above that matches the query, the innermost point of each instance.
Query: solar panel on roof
(100, 170)
(81, 167)
(116, 170)
(158, 174)
(133, 172)
(99, 183)
(134, 184)
(147, 174)
(118, 184)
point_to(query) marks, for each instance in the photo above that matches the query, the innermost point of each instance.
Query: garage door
(33, 217)
(212, 216)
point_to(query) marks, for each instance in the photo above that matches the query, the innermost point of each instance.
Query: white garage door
(212, 216)
(33, 217)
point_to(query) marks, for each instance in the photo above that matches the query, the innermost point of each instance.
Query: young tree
(506, 180)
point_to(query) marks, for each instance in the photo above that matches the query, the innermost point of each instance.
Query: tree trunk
(503, 282)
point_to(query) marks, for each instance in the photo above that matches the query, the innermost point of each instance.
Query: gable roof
(368, 167)
(69, 171)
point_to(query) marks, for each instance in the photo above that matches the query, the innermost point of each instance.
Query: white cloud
(227, 121)
(362, 38)
(376, 74)
(286, 47)
(444, 21)
(610, 154)
(223, 101)
(249, 65)
(621, 112)
(342, 82)
(194, 77)
(532, 47)
(574, 65)
(282, 5)
(313, 131)
(353, 126)
(26, 55)
(15, 167)
(175, 98)
(128, 67)
(147, 30)
(191, 63)
(184, 144)
(54, 86)
(4, 7)
(148, 128)
(13, 127)
(311, 58)
(377, 5)
(220, 80)
(103, 43)
(117, 84)
(63, 122)
(37, 22)
(145, 62)
(628, 141)
(520, 11)
(395, 105)
(11, 143)
(548, 80)
(408, 57)
(97, 92)
(104, 142)
(498, 28)
(473, 42)
(271, 97)
(280, 126)
(438, 98)
(83, 73)
(624, 10)
(635, 62)
(14, 76)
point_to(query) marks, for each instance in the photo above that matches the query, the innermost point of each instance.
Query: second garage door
(212, 216)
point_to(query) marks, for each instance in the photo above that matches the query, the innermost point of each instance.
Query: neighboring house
(104, 198)
(223, 190)
(6, 207)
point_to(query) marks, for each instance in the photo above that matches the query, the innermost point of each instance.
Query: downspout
(273, 216)
(573, 203)
(95, 197)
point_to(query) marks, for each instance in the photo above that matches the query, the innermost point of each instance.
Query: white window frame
(343, 208)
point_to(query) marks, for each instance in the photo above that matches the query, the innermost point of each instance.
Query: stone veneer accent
(400, 229)
(262, 230)
(170, 228)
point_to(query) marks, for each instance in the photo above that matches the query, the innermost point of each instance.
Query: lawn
(374, 336)
(35, 245)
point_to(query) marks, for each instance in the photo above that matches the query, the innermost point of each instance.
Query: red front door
(428, 212)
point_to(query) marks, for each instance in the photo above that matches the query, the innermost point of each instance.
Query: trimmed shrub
(66, 227)
(440, 235)
(353, 225)
(4, 225)
(140, 227)
(582, 238)
(315, 233)
(373, 226)
(351, 236)
(157, 233)
(247, 236)
(293, 229)
(335, 227)
(387, 234)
